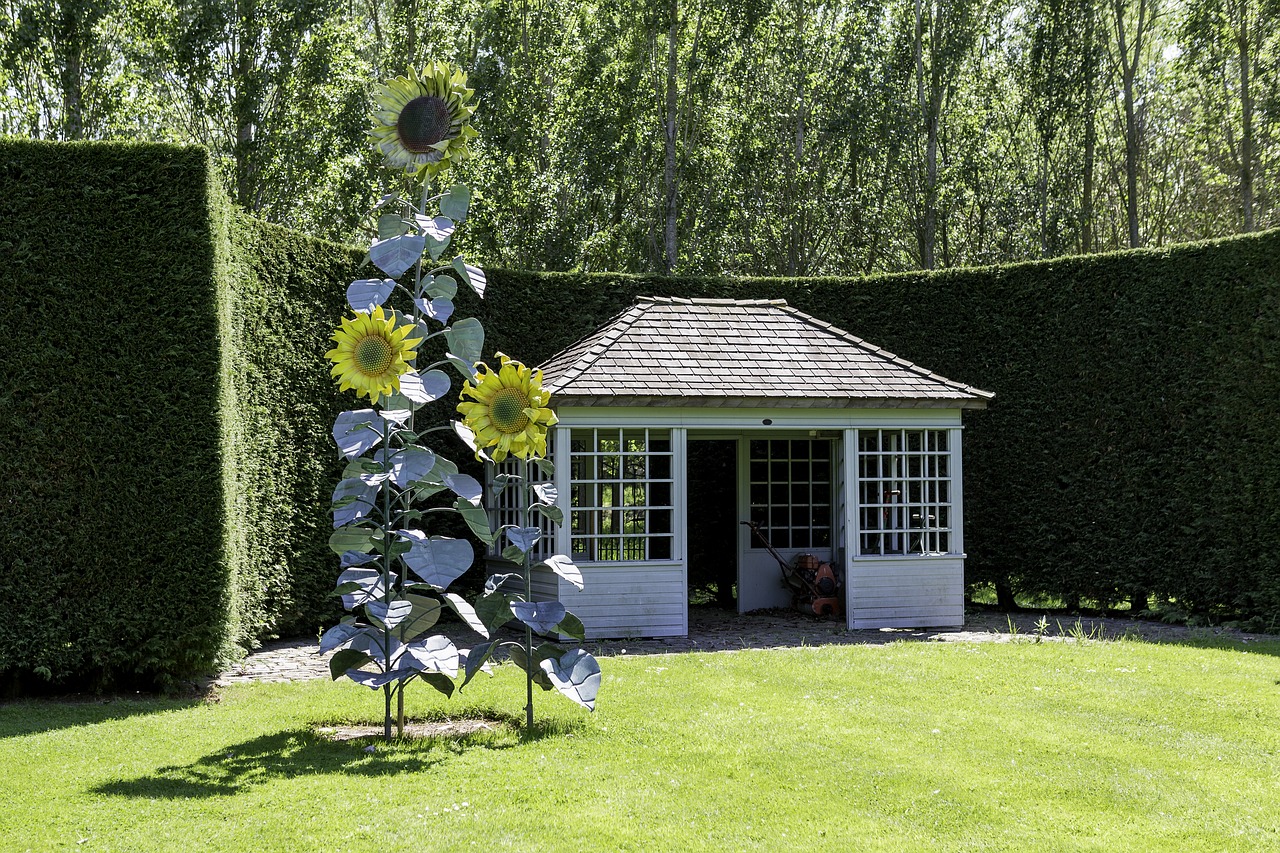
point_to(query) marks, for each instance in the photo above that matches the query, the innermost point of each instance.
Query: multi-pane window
(904, 491)
(621, 503)
(506, 508)
(791, 491)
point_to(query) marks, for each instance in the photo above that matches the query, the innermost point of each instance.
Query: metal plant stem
(528, 596)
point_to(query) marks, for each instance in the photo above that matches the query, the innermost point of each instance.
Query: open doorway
(713, 521)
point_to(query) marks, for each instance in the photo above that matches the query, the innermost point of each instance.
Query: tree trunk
(669, 174)
(1090, 134)
(245, 103)
(1246, 119)
(71, 76)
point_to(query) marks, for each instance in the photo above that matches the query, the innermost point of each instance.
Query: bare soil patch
(413, 730)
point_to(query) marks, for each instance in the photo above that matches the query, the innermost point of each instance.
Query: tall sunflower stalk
(506, 414)
(395, 575)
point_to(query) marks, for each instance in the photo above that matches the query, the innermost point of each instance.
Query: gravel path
(713, 630)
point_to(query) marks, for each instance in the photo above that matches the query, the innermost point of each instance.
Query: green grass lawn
(910, 746)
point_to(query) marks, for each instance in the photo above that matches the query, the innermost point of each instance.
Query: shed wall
(630, 599)
(915, 592)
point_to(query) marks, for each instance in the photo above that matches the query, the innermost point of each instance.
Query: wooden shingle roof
(727, 352)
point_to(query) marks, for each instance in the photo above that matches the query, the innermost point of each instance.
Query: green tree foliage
(780, 137)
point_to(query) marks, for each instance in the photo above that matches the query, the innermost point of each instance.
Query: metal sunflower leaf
(455, 202)
(411, 464)
(368, 293)
(426, 387)
(477, 519)
(438, 561)
(425, 614)
(391, 225)
(552, 512)
(564, 567)
(500, 481)
(576, 675)
(473, 277)
(432, 654)
(439, 309)
(395, 255)
(523, 538)
(357, 431)
(493, 610)
(347, 660)
(495, 581)
(545, 466)
(353, 539)
(442, 287)
(546, 493)
(466, 339)
(466, 487)
(353, 500)
(520, 657)
(356, 558)
(475, 660)
(388, 614)
(466, 369)
(438, 230)
(441, 682)
(374, 680)
(541, 616)
(362, 585)
(339, 635)
(571, 626)
(466, 613)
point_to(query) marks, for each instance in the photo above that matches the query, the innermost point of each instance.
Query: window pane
(660, 521)
(660, 467)
(660, 548)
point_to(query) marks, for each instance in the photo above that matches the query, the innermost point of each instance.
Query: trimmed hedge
(112, 563)
(289, 293)
(1134, 444)
(167, 409)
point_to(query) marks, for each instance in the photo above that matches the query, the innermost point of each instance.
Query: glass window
(621, 496)
(904, 492)
(790, 491)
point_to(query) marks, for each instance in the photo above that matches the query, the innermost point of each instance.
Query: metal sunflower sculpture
(509, 410)
(372, 353)
(421, 121)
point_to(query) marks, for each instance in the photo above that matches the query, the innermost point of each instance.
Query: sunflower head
(420, 121)
(371, 353)
(507, 410)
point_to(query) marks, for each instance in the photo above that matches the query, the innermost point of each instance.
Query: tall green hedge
(1133, 447)
(166, 411)
(112, 562)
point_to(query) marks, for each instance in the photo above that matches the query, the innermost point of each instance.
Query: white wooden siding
(908, 592)
(630, 599)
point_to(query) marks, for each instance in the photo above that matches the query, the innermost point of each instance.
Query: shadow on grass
(32, 716)
(296, 753)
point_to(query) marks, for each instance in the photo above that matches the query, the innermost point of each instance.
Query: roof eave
(559, 400)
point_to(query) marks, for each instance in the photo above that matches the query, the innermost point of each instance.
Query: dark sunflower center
(507, 411)
(423, 122)
(373, 355)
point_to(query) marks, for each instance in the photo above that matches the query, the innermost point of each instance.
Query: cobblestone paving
(713, 630)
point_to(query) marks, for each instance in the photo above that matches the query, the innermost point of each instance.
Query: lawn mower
(814, 583)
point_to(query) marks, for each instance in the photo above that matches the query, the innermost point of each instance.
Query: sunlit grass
(911, 746)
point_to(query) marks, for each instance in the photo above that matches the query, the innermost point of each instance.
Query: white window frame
(506, 508)
(918, 510)
(590, 498)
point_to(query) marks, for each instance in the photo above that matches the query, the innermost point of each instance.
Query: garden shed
(841, 450)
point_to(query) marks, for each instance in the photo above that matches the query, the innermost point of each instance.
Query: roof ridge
(882, 353)
(703, 300)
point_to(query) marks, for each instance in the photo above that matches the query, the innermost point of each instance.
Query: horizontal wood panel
(936, 611)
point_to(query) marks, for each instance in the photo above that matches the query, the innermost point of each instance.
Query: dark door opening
(712, 478)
